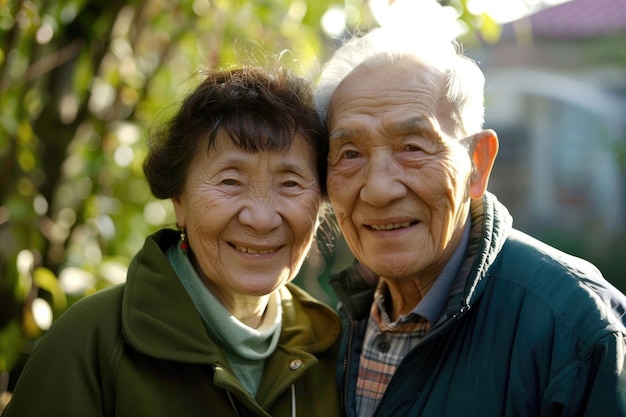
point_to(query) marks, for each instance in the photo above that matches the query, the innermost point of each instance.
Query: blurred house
(556, 95)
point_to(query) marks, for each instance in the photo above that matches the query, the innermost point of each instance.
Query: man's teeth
(253, 251)
(390, 226)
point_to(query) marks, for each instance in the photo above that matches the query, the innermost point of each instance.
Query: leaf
(10, 336)
(46, 280)
(490, 29)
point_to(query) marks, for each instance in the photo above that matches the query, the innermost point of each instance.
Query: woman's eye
(229, 181)
(290, 184)
(350, 154)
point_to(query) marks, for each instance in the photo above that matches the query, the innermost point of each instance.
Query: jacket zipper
(440, 329)
(232, 403)
(346, 365)
(435, 332)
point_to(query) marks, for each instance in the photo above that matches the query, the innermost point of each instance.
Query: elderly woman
(207, 322)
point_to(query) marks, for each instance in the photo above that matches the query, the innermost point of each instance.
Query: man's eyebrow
(419, 126)
(412, 125)
(341, 134)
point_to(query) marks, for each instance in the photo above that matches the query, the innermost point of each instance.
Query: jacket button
(295, 364)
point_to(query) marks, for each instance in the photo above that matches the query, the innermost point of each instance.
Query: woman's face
(250, 218)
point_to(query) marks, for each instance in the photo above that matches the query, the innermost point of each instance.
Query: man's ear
(484, 154)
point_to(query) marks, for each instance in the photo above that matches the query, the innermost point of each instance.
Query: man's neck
(404, 294)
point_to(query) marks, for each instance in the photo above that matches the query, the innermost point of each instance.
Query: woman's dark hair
(258, 109)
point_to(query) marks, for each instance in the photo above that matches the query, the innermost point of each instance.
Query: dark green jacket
(535, 332)
(141, 349)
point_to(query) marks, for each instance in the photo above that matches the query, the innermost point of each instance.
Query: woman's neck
(248, 309)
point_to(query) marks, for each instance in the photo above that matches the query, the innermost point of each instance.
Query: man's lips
(390, 226)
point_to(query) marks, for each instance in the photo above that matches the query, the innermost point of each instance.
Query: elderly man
(470, 317)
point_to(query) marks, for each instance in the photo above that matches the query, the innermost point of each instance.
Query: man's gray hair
(386, 45)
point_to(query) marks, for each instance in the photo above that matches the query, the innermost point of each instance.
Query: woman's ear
(484, 154)
(179, 212)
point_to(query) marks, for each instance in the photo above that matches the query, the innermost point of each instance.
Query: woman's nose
(261, 215)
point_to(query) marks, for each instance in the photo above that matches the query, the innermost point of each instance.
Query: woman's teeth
(253, 251)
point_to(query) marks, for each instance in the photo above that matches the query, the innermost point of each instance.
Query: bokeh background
(83, 83)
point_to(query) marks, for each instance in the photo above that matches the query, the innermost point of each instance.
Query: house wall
(561, 121)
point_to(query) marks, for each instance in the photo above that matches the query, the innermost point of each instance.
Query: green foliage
(82, 84)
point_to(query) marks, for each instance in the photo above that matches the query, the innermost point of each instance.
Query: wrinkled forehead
(380, 86)
(393, 73)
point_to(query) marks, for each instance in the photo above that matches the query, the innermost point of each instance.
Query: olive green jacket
(141, 349)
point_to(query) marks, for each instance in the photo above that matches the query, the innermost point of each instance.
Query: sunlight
(506, 11)
(427, 16)
(334, 21)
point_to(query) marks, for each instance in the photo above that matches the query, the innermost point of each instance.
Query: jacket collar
(159, 318)
(491, 226)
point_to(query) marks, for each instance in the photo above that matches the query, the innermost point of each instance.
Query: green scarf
(245, 348)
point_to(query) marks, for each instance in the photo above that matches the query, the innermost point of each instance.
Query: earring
(184, 245)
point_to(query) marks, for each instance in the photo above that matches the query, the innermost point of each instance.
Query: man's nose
(383, 181)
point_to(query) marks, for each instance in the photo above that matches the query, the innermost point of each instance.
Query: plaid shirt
(384, 347)
(386, 343)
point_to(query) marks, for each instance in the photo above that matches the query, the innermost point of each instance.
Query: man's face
(397, 181)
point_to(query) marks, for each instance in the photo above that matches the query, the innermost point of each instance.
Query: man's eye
(229, 181)
(413, 148)
(351, 154)
(290, 184)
